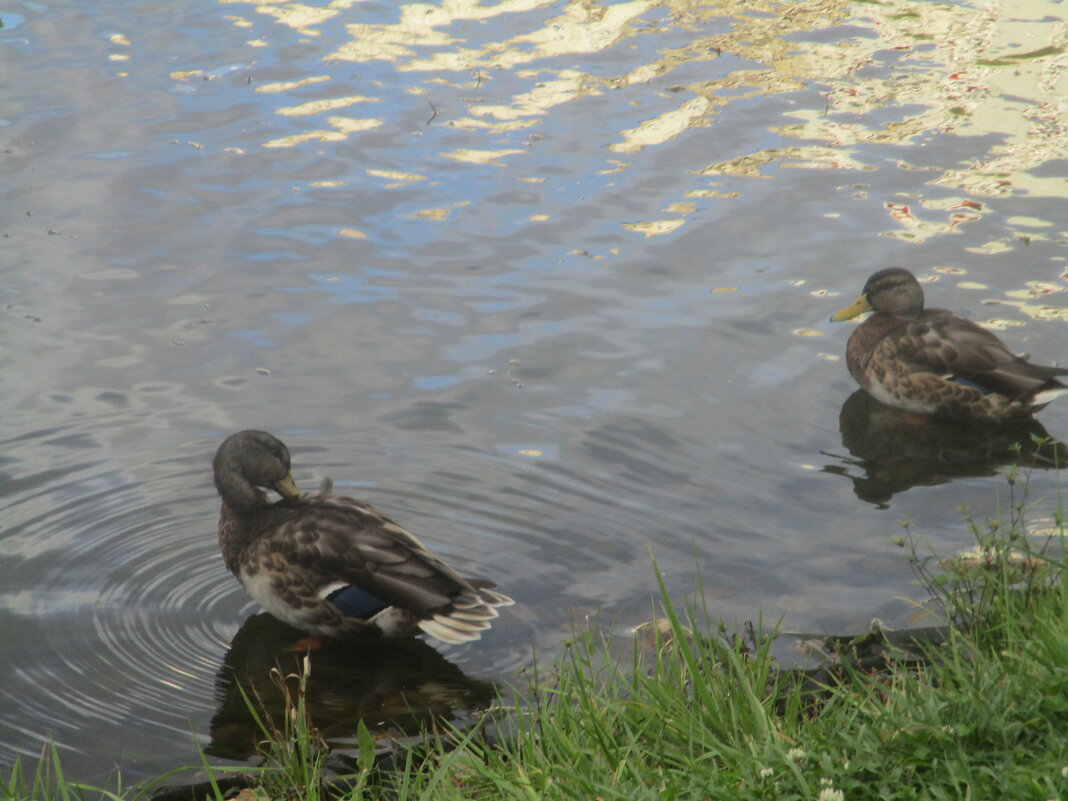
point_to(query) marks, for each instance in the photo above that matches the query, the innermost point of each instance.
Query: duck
(935, 362)
(333, 566)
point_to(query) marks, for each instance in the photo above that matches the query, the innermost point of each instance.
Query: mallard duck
(334, 566)
(933, 361)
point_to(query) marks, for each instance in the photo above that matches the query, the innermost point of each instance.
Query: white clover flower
(830, 794)
(796, 754)
(765, 772)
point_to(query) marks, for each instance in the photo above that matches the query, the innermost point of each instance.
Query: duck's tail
(1040, 399)
(469, 614)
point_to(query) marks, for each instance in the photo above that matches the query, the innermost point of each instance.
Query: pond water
(548, 282)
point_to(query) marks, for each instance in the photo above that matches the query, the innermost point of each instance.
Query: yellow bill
(287, 487)
(855, 309)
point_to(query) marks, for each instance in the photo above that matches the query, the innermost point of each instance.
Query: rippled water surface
(546, 281)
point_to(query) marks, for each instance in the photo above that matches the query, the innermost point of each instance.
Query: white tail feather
(466, 617)
(1047, 395)
(481, 614)
(446, 634)
(461, 625)
(495, 598)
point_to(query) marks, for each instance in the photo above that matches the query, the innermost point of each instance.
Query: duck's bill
(855, 309)
(287, 487)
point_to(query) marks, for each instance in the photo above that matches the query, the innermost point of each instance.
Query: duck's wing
(333, 541)
(953, 347)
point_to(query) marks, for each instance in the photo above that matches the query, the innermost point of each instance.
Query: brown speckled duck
(936, 362)
(334, 566)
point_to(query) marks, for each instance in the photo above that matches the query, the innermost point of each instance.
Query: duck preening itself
(936, 362)
(331, 565)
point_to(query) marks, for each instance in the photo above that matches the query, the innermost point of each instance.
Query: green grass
(711, 718)
(710, 715)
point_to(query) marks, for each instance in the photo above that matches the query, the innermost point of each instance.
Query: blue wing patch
(956, 379)
(353, 601)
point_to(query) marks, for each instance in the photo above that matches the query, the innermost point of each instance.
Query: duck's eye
(277, 451)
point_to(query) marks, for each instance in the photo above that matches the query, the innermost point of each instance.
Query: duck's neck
(241, 501)
(238, 493)
(863, 341)
(237, 530)
(882, 323)
(233, 537)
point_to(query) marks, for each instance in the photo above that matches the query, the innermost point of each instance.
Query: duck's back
(332, 540)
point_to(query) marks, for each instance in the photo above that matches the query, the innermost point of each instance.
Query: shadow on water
(398, 688)
(894, 450)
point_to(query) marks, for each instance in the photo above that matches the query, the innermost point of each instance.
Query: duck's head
(894, 291)
(248, 462)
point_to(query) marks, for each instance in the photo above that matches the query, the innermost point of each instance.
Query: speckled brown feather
(313, 537)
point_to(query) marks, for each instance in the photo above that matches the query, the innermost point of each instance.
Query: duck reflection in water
(896, 450)
(395, 686)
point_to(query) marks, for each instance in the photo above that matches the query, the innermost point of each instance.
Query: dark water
(547, 282)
